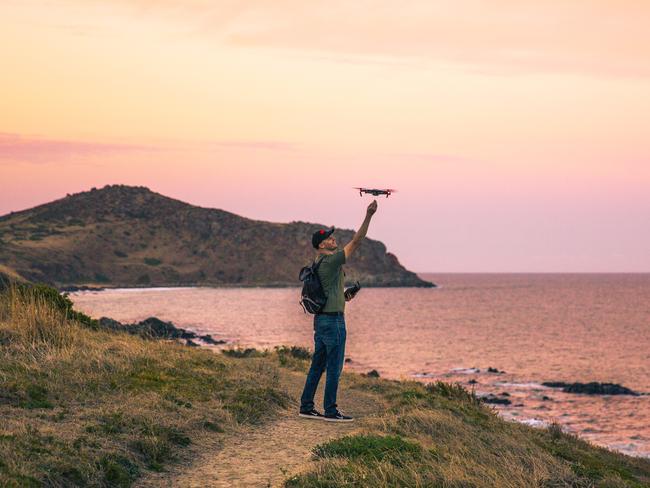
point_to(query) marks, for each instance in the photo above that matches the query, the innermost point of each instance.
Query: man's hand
(372, 208)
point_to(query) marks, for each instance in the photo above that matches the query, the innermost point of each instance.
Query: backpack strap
(317, 263)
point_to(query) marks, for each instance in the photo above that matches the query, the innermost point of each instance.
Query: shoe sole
(304, 416)
(337, 420)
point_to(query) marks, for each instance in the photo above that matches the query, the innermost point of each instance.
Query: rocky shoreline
(154, 328)
(592, 388)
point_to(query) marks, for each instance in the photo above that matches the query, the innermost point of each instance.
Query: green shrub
(143, 279)
(59, 301)
(118, 470)
(102, 278)
(152, 261)
(156, 442)
(369, 447)
(213, 426)
(36, 397)
(251, 404)
(249, 352)
(294, 352)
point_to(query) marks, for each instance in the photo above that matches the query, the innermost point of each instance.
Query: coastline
(220, 313)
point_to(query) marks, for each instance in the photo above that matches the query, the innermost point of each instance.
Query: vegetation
(84, 407)
(442, 435)
(249, 352)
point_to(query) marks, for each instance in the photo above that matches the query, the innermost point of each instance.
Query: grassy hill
(130, 236)
(84, 407)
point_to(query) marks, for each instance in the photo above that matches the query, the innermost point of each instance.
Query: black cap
(319, 236)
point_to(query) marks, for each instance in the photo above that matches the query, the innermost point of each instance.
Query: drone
(375, 191)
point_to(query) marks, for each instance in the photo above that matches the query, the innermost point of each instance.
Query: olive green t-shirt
(331, 277)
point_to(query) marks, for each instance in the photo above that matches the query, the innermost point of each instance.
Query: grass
(87, 407)
(441, 435)
(83, 407)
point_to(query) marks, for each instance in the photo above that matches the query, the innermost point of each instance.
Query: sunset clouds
(600, 37)
(511, 128)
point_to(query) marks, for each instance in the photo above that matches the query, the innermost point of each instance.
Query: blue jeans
(329, 351)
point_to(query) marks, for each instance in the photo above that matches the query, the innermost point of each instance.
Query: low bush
(249, 352)
(369, 447)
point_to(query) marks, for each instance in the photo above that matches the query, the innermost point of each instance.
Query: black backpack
(313, 297)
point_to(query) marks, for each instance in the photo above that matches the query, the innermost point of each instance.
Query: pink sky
(515, 131)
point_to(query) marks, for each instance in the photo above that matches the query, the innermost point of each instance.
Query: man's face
(329, 243)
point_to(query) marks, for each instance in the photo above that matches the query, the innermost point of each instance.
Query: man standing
(329, 324)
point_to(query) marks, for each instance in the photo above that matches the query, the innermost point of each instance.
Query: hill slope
(130, 236)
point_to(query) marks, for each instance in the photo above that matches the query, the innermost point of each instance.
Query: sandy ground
(265, 456)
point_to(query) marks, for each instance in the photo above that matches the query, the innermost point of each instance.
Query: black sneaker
(312, 414)
(338, 417)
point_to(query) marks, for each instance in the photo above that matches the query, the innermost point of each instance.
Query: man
(329, 324)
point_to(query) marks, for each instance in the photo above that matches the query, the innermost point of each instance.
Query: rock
(155, 327)
(373, 374)
(348, 360)
(149, 328)
(495, 400)
(208, 339)
(592, 388)
(494, 370)
(73, 288)
(110, 324)
(505, 393)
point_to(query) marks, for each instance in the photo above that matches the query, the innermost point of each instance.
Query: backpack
(313, 297)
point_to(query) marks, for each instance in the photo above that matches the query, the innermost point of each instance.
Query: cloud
(39, 150)
(34, 149)
(261, 145)
(599, 37)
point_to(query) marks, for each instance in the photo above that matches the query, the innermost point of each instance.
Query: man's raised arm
(351, 246)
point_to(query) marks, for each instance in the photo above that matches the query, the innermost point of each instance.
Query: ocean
(531, 328)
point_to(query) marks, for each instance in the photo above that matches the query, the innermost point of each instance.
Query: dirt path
(266, 455)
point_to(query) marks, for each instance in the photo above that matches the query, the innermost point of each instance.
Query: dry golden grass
(442, 436)
(7, 272)
(89, 408)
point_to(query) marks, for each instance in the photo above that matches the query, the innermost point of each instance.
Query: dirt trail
(266, 455)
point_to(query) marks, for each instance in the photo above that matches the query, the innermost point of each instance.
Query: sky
(516, 132)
